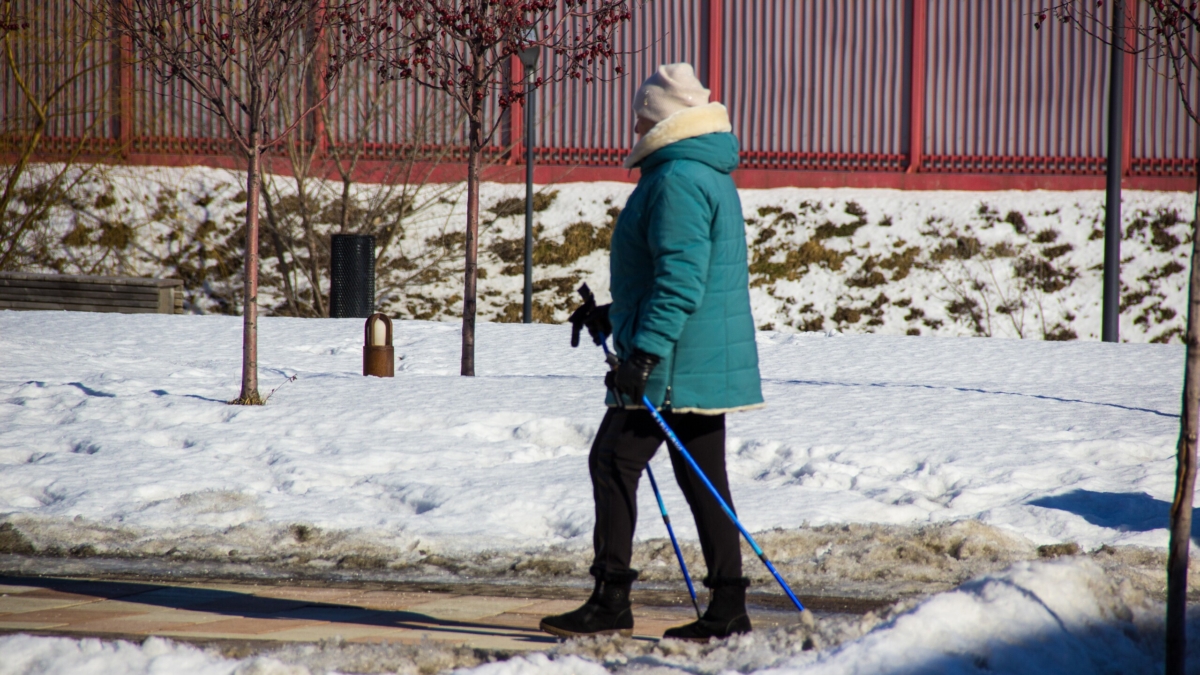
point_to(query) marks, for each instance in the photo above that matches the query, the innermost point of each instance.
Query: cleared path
(491, 617)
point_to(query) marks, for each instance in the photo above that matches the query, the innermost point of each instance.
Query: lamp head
(529, 55)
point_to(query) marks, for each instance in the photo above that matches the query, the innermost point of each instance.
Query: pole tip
(807, 619)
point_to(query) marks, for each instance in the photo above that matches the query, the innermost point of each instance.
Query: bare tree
(241, 59)
(324, 194)
(464, 48)
(44, 58)
(1168, 36)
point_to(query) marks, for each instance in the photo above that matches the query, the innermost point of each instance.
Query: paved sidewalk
(201, 612)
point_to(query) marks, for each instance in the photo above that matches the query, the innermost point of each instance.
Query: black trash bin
(352, 276)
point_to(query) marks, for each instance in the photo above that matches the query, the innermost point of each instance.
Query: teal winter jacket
(680, 283)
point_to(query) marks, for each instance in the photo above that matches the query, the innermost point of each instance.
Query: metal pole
(662, 508)
(1110, 328)
(527, 309)
(687, 456)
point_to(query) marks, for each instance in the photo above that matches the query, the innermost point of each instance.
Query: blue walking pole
(678, 554)
(662, 507)
(725, 507)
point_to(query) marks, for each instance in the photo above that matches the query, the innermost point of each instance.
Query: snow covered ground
(882, 465)
(115, 439)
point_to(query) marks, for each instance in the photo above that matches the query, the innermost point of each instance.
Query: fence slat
(811, 85)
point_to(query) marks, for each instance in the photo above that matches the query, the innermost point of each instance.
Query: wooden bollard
(379, 358)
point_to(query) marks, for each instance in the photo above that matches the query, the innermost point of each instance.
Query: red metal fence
(958, 94)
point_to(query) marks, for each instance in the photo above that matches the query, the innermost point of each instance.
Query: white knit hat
(670, 89)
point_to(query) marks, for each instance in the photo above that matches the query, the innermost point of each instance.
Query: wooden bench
(127, 295)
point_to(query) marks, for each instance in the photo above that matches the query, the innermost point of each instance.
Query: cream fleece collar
(711, 118)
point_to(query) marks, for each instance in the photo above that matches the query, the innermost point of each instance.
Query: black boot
(607, 612)
(725, 616)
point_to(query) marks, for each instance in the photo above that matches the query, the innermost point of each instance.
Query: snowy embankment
(1002, 264)
(882, 464)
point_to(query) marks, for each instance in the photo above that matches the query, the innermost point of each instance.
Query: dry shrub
(795, 263)
(901, 262)
(579, 240)
(515, 206)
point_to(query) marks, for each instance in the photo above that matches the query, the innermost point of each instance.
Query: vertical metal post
(916, 78)
(716, 48)
(527, 308)
(124, 125)
(1110, 328)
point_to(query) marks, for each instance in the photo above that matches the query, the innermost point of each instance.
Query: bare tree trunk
(284, 269)
(249, 395)
(1185, 473)
(472, 241)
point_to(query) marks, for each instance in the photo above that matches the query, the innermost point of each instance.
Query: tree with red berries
(250, 63)
(1166, 35)
(464, 48)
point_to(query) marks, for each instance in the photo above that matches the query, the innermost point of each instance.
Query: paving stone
(653, 629)
(141, 624)
(406, 638)
(522, 621)
(348, 632)
(185, 635)
(244, 626)
(67, 615)
(525, 642)
(395, 600)
(310, 594)
(340, 614)
(91, 588)
(680, 615)
(250, 605)
(13, 604)
(467, 607)
(114, 606)
(547, 607)
(182, 597)
(54, 594)
(26, 625)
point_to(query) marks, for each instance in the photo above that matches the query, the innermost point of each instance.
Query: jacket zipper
(670, 380)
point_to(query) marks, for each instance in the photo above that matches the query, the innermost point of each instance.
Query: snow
(947, 263)
(882, 464)
(114, 434)
(1033, 619)
(28, 655)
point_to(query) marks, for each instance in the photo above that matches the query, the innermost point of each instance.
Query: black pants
(624, 445)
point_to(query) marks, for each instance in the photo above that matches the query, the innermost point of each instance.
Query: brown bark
(471, 244)
(249, 395)
(1185, 473)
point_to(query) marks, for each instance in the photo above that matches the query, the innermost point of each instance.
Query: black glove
(630, 377)
(589, 316)
(597, 324)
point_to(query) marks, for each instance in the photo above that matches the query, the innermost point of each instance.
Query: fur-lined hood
(712, 118)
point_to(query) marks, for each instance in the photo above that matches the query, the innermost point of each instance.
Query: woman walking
(683, 331)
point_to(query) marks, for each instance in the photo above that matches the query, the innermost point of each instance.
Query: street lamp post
(1110, 326)
(529, 58)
